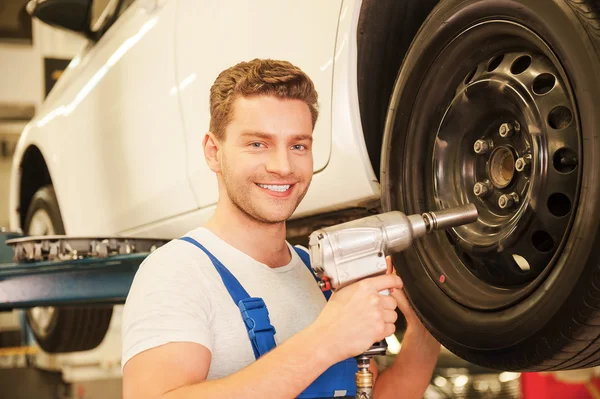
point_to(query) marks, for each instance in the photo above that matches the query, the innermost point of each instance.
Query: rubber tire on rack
(71, 329)
(557, 327)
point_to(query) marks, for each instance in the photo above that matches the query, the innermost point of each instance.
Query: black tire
(547, 317)
(70, 329)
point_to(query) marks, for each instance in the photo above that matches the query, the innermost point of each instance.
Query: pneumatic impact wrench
(349, 252)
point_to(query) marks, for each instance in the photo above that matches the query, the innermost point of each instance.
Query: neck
(264, 242)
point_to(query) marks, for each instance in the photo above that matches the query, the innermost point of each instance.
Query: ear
(212, 148)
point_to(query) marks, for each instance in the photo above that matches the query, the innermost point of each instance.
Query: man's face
(266, 157)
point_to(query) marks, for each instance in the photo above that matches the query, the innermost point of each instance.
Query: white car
(496, 102)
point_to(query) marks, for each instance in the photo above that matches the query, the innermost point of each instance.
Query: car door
(214, 35)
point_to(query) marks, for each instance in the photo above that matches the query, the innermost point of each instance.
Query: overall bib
(336, 382)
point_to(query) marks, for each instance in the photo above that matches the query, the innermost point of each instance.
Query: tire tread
(588, 14)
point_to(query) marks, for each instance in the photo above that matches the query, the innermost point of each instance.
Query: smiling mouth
(280, 188)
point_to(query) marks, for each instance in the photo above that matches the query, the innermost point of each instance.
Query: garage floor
(30, 383)
(24, 383)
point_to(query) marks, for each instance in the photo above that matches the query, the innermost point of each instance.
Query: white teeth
(272, 187)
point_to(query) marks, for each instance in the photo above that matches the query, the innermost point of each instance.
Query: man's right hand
(357, 316)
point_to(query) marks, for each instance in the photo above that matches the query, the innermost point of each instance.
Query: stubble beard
(239, 195)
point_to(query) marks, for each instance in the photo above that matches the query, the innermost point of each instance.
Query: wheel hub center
(501, 167)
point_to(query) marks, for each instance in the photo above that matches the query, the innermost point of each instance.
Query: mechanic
(183, 333)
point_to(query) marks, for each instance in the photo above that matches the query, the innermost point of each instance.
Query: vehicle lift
(64, 270)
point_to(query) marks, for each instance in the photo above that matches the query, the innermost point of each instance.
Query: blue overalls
(336, 382)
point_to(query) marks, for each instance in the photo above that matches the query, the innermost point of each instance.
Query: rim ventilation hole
(542, 241)
(520, 65)
(495, 62)
(544, 83)
(564, 160)
(560, 117)
(559, 204)
(470, 76)
(522, 263)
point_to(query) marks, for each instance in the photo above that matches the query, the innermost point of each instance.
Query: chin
(275, 219)
(273, 213)
(270, 218)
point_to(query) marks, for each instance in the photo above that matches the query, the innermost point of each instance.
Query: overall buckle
(256, 316)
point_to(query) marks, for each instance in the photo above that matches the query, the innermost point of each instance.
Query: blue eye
(300, 147)
(257, 145)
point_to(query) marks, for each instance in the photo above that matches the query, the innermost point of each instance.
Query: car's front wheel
(61, 329)
(498, 104)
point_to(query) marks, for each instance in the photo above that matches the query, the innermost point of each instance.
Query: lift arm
(61, 270)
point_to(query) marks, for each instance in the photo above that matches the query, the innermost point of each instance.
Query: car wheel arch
(385, 31)
(34, 174)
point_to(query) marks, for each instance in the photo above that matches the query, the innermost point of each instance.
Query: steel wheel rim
(41, 317)
(448, 263)
(41, 224)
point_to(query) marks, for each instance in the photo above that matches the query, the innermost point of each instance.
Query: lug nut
(509, 129)
(508, 200)
(523, 162)
(481, 147)
(482, 189)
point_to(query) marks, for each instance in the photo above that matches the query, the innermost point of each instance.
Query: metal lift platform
(64, 270)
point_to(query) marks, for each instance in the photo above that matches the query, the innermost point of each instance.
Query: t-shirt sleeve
(166, 303)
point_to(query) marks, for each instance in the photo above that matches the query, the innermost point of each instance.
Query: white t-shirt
(177, 295)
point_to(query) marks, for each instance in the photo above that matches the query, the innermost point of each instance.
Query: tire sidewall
(549, 304)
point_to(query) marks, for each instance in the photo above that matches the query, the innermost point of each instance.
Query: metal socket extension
(453, 217)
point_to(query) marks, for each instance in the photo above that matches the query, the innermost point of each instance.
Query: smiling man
(231, 310)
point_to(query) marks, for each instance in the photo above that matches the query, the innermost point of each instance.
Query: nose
(279, 162)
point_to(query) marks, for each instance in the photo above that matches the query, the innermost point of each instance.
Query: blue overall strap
(254, 311)
(306, 260)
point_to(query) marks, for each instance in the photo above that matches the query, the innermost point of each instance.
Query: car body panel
(212, 36)
(111, 135)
